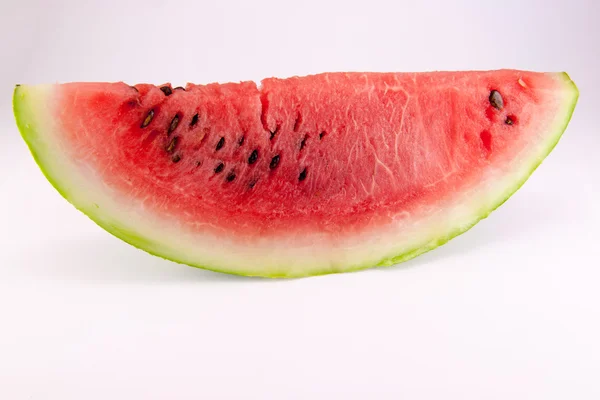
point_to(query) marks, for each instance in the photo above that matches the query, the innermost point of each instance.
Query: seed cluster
(495, 99)
(253, 156)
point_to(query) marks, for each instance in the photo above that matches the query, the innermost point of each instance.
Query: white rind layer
(283, 256)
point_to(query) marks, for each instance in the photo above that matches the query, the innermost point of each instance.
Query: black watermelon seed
(174, 123)
(194, 120)
(302, 175)
(297, 122)
(496, 100)
(253, 157)
(303, 143)
(148, 119)
(179, 88)
(220, 144)
(252, 184)
(231, 176)
(172, 144)
(241, 141)
(274, 162)
(321, 135)
(166, 90)
(198, 163)
(508, 121)
(273, 133)
(219, 168)
(176, 158)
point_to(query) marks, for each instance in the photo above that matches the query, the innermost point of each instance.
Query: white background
(509, 310)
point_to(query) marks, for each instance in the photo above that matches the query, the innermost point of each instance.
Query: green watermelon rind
(23, 113)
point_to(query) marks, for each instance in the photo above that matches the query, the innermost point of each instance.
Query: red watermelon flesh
(305, 175)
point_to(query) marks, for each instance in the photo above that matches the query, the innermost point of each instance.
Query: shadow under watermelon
(105, 259)
(525, 214)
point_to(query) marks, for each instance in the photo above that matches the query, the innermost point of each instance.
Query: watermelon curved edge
(23, 112)
(508, 194)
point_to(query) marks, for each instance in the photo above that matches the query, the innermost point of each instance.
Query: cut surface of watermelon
(301, 176)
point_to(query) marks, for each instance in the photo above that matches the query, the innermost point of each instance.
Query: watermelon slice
(301, 176)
